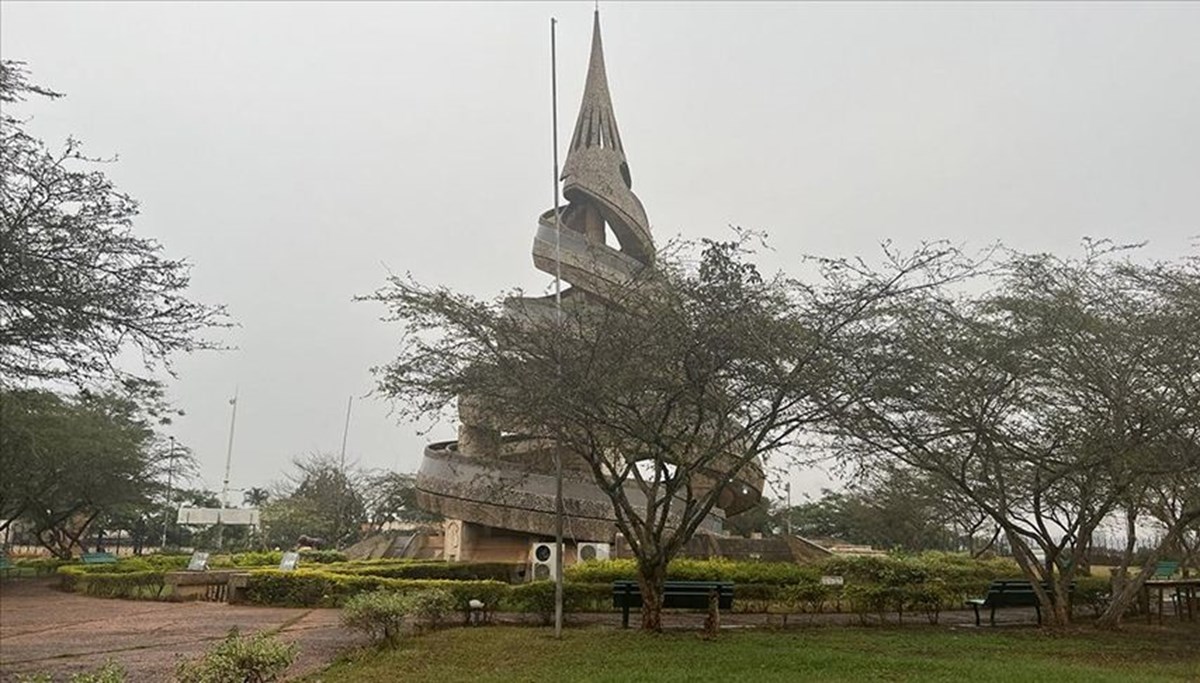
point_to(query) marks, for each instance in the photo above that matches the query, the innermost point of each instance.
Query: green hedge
(320, 588)
(685, 569)
(926, 583)
(143, 584)
(38, 565)
(430, 569)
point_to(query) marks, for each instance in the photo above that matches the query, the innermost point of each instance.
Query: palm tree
(255, 496)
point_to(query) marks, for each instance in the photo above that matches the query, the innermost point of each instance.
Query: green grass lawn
(508, 653)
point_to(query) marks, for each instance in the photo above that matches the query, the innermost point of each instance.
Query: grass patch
(815, 654)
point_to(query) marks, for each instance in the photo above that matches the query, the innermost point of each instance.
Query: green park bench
(5, 565)
(1010, 593)
(98, 558)
(676, 594)
(1165, 570)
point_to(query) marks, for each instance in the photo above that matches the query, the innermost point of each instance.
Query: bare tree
(77, 286)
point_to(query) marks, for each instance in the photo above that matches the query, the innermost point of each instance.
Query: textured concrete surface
(45, 630)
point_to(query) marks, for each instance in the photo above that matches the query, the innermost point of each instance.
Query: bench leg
(1039, 613)
(992, 617)
(976, 608)
(625, 616)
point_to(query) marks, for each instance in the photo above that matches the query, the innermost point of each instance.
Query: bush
(809, 596)
(430, 606)
(378, 614)
(538, 598)
(239, 659)
(1093, 592)
(110, 672)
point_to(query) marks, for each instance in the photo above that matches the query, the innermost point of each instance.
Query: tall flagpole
(345, 481)
(228, 464)
(558, 473)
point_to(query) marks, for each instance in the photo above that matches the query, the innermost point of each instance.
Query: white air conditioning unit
(541, 560)
(593, 551)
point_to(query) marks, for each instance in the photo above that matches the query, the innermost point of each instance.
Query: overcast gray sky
(297, 152)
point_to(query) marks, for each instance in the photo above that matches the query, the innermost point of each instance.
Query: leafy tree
(670, 396)
(1048, 402)
(892, 509)
(256, 496)
(318, 500)
(392, 497)
(67, 462)
(77, 286)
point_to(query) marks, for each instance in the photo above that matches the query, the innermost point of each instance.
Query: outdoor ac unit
(541, 560)
(593, 551)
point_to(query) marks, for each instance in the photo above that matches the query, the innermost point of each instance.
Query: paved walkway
(45, 630)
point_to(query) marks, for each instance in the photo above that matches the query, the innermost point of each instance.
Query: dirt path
(45, 630)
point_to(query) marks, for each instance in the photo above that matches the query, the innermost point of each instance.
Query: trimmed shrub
(39, 565)
(239, 659)
(143, 584)
(537, 598)
(687, 569)
(430, 606)
(319, 588)
(425, 569)
(378, 614)
(809, 596)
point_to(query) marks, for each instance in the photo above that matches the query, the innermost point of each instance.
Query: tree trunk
(1131, 586)
(650, 580)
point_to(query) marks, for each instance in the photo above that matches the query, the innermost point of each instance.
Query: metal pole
(228, 463)
(342, 466)
(787, 518)
(558, 473)
(167, 501)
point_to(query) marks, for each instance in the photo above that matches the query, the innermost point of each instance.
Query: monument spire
(596, 179)
(596, 125)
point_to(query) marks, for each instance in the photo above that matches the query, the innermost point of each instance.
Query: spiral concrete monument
(498, 493)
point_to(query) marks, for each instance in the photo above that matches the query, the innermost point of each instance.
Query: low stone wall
(214, 585)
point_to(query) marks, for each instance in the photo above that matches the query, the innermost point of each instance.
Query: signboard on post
(209, 516)
(199, 562)
(289, 562)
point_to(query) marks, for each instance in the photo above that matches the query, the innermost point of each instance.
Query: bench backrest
(1165, 569)
(1017, 592)
(681, 594)
(98, 558)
